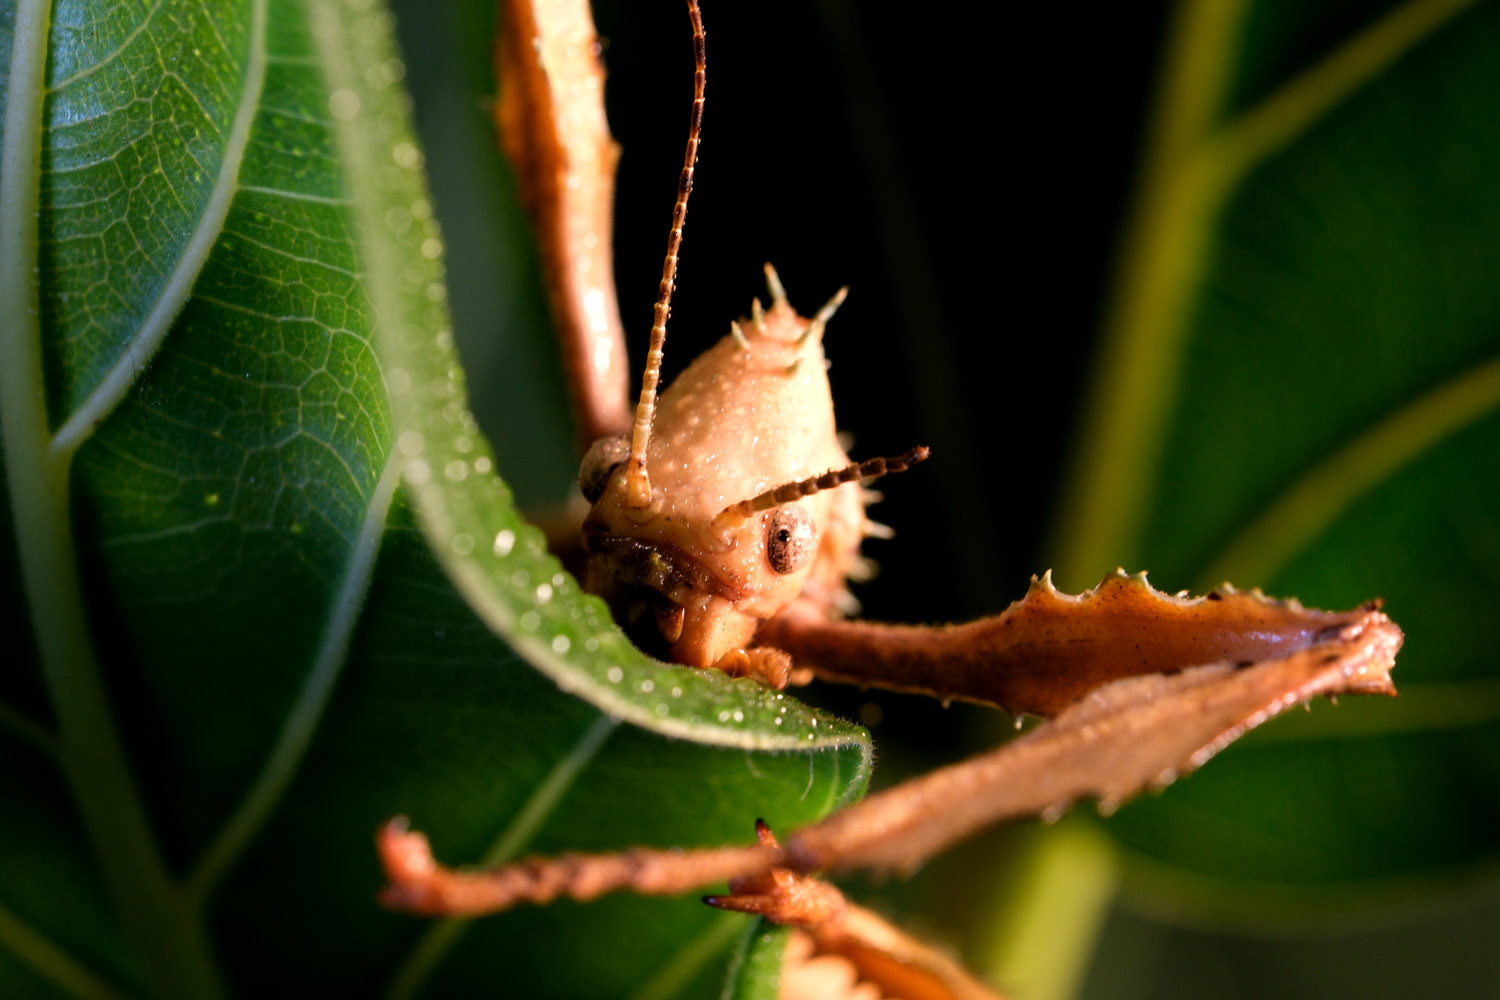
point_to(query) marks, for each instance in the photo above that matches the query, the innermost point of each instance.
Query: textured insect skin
(731, 513)
(752, 413)
(732, 498)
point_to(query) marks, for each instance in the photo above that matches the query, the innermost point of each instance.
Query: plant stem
(1041, 941)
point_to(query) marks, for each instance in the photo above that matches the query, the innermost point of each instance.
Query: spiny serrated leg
(418, 884)
(1049, 649)
(1129, 735)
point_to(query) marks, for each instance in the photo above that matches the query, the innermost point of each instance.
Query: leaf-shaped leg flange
(1123, 737)
(1048, 649)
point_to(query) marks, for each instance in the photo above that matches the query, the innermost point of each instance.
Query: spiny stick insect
(725, 522)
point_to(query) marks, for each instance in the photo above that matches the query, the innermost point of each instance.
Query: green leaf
(277, 593)
(1301, 391)
(755, 973)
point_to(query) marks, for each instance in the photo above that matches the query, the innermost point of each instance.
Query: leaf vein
(1279, 119)
(113, 54)
(1308, 506)
(439, 940)
(53, 963)
(267, 790)
(152, 332)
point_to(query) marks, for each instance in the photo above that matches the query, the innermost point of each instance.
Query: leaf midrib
(1191, 169)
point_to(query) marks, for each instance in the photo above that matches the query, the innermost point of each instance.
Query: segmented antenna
(868, 469)
(637, 482)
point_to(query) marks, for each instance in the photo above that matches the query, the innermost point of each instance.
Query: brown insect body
(732, 513)
(752, 413)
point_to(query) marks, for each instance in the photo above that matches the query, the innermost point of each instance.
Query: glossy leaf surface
(279, 594)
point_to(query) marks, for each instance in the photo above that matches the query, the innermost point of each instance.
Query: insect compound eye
(790, 538)
(602, 458)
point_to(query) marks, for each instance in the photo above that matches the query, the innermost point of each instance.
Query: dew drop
(739, 716)
(777, 720)
(615, 675)
(544, 592)
(417, 472)
(648, 685)
(398, 220)
(662, 709)
(406, 155)
(677, 692)
(724, 715)
(504, 541)
(410, 443)
(463, 444)
(531, 621)
(482, 464)
(561, 644)
(462, 544)
(457, 470)
(343, 104)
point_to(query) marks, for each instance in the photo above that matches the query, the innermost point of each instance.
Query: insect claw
(759, 904)
(738, 335)
(874, 529)
(757, 317)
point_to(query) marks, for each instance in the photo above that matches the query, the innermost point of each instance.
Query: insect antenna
(775, 497)
(637, 482)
